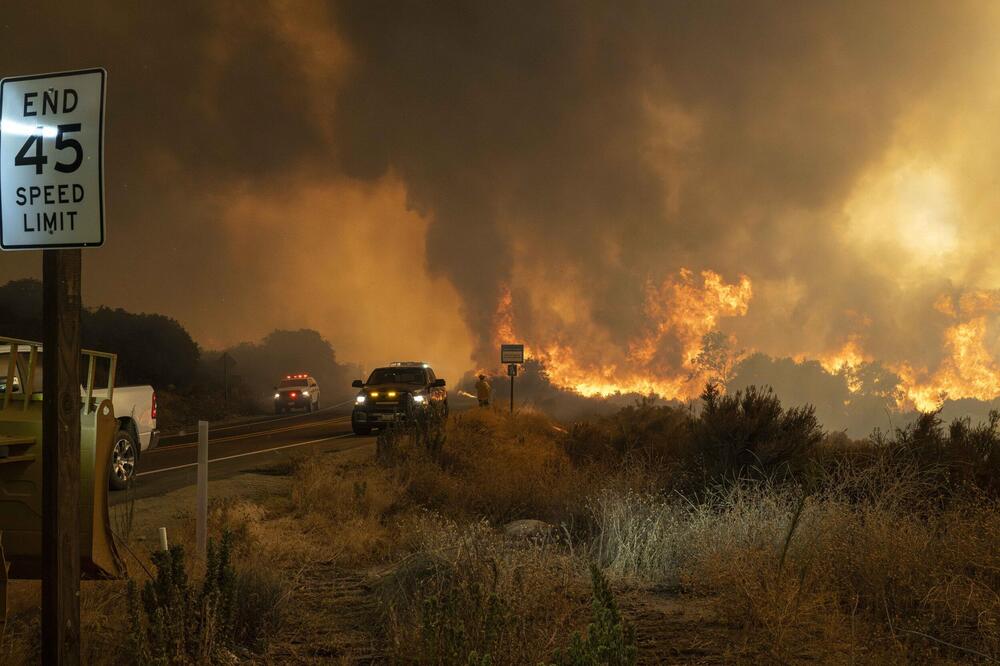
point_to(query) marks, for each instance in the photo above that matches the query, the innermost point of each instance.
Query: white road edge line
(249, 453)
(257, 422)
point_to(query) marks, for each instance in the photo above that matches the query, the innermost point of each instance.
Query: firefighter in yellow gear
(484, 392)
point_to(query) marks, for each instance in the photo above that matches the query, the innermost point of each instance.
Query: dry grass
(502, 468)
(879, 552)
(348, 508)
(468, 589)
(820, 573)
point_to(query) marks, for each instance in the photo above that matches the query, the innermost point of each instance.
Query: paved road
(234, 449)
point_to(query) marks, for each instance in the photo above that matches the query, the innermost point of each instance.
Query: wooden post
(61, 458)
(201, 524)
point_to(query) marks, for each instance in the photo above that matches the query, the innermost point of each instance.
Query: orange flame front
(968, 369)
(663, 357)
(678, 313)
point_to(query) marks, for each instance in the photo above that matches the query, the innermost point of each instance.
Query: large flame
(663, 358)
(969, 369)
(847, 358)
(679, 312)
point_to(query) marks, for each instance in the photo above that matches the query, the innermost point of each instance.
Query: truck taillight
(153, 410)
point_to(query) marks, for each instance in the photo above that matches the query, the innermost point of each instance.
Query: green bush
(749, 430)
(644, 432)
(939, 465)
(610, 641)
(175, 621)
(733, 434)
(463, 625)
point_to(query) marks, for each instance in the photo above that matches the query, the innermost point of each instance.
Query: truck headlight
(419, 399)
(360, 400)
(305, 393)
(277, 395)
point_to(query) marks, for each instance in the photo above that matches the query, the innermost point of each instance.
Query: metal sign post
(52, 198)
(512, 372)
(512, 355)
(201, 520)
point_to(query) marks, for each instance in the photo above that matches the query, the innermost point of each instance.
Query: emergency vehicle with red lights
(298, 391)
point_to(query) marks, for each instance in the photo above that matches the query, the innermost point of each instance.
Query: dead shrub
(795, 571)
(500, 468)
(476, 594)
(655, 436)
(348, 507)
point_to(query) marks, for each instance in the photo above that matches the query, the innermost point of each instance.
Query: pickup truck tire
(360, 428)
(123, 459)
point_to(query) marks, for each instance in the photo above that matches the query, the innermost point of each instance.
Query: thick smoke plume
(566, 169)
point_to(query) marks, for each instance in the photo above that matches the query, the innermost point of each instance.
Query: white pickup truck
(135, 410)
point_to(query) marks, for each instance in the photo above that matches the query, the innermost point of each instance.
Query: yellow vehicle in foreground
(21, 468)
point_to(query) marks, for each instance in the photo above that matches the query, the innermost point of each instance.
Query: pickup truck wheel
(122, 461)
(360, 428)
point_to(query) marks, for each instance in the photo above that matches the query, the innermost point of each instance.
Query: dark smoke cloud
(575, 151)
(540, 122)
(201, 96)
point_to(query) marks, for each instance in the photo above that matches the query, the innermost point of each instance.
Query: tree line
(156, 349)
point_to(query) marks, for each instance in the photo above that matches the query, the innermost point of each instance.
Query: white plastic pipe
(202, 519)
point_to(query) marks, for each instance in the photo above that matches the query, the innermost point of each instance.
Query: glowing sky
(388, 173)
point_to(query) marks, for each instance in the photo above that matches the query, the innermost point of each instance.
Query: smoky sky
(629, 139)
(572, 152)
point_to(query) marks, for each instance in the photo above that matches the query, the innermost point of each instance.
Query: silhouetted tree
(152, 349)
(261, 365)
(21, 309)
(716, 360)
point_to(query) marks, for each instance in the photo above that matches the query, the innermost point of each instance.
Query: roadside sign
(52, 199)
(52, 160)
(511, 354)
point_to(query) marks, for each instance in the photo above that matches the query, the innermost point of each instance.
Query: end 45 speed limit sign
(52, 160)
